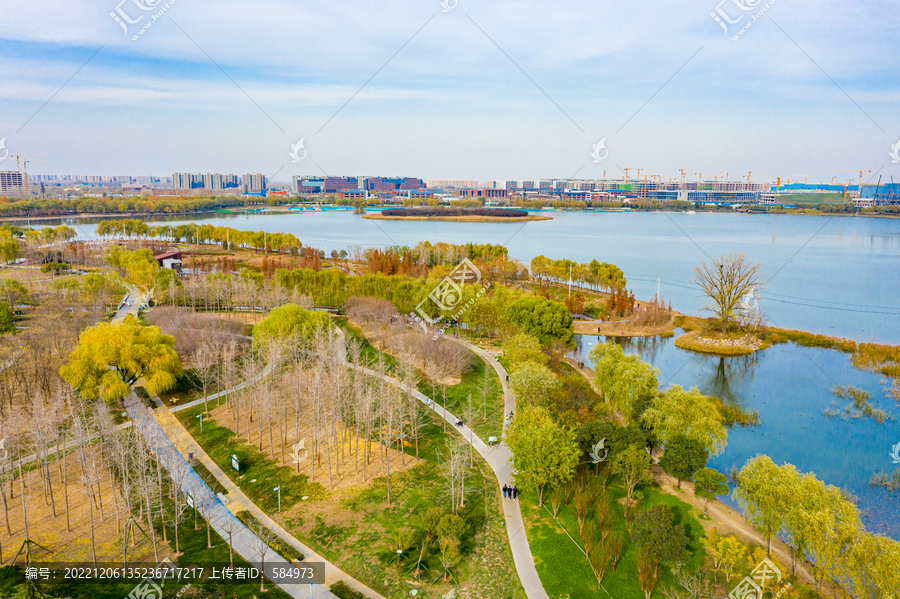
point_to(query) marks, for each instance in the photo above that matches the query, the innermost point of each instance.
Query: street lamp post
(278, 488)
(200, 416)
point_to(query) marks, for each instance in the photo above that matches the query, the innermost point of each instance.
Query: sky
(459, 90)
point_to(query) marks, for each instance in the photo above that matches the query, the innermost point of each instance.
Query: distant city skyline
(507, 90)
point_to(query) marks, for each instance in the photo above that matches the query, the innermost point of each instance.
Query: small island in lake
(457, 214)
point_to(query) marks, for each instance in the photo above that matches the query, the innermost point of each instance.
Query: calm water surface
(791, 387)
(833, 275)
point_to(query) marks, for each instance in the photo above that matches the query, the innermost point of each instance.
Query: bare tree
(263, 536)
(455, 470)
(206, 361)
(726, 281)
(230, 525)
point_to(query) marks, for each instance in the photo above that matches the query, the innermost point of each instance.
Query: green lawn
(561, 563)
(489, 419)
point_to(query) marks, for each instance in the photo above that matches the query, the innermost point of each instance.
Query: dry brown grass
(72, 544)
(349, 471)
(191, 329)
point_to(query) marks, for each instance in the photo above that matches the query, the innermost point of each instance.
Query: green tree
(9, 250)
(451, 526)
(534, 384)
(139, 266)
(730, 553)
(688, 412)
(7, 324)
(623, 380)
(683, 457)
(522, 348)
(543, 452)
(656, 532)
(110, 358)
(709, 484)
(287, 321)
(545, 319)
(633, 465)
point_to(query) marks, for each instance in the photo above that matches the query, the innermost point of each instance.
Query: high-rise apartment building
(257, 182)
(216, 181)
(11, 182)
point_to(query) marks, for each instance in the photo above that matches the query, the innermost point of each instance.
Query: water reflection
(790, 387)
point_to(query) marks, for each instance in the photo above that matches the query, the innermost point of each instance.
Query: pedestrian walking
(515, 492)
(505, 490)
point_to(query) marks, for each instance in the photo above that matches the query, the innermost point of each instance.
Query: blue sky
(487, 90)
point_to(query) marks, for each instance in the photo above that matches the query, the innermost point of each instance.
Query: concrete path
(131, 304)
(499, 458)
(251, 381)
(501, 462)
(185, 443)
(244, 542)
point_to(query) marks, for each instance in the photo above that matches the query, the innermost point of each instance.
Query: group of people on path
(510, 492)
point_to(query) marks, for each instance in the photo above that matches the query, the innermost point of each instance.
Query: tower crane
(22, 164)
(683, 171)
(631, 168)
(852, 170)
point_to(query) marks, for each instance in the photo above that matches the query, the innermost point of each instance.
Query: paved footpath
(238, 501)
(244, 541)
(499, 458)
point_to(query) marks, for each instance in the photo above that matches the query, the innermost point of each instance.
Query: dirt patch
(72, 543)
(626, 329)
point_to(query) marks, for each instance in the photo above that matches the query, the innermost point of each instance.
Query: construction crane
(631, 168)
(852, 170)
(748, 179)
(682, 171)
(22, 165)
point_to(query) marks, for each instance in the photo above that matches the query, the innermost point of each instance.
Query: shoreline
(468, 219)
(375, 216)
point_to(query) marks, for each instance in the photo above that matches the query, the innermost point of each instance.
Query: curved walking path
(500, 461)
(499, 458)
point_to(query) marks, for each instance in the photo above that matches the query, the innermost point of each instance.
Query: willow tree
(543, 451)
(111, 357)
(725, 281)
(690, 413)
(623, 380)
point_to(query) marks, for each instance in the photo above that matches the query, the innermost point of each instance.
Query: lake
(791, 387)
(833, 275)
